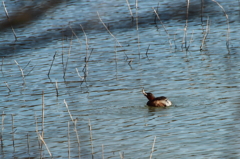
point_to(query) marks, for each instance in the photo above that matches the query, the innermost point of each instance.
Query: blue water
(202, 85)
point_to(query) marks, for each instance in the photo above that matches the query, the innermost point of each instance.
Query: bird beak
(143, 92)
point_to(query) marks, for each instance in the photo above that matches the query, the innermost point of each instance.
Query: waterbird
(156, 102)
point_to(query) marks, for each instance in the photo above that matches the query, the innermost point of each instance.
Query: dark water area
(111, 118)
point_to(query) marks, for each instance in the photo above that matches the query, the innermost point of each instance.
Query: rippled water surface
(112, 120)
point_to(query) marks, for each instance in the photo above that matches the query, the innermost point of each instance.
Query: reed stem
(153, 147)
(9, 20)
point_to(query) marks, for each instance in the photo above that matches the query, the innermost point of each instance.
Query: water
(203, 86)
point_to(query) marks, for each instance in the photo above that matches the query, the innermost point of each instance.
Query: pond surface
(111, 118)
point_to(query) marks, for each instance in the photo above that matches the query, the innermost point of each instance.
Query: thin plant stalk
(228, 26)
(116, 62)
(186, 25)
(56, 86)
(69, 143)
(190, 41)
(147, 51)
(63, 54)
(30, 70)
(102, 151)
(21, 72)
(205, 34)
(43, 114)
(79, 74)
(75, 129)
(8, 86)
(3, 116)
(90, 131)
(13, 133)
(129, 8)
(153, 147)
(28, 144)
(86, 58)
(76, 36)
(27, 64)
(121, 155)
(9, 20)
(202, 10)
(41, 138)
(2, 67)
(163, 27)
(51, 64)
(111, 33)
(69, 53)
(155, 19)
(68, 111)
(137, 29)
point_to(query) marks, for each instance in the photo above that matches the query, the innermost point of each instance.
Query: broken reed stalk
(163, 27)
(69, 53)
(41, 138)
(102, 151)
(129, 8)
(153, 147)
(90, 131)
(13, 133)
(21, 72)
(9, 20)
(111, 34)
(51, 64)
(69, 144)
(8, 86)
(228, 26)
(56, 87)
(75, 129)
(68, 111)
(205, 34)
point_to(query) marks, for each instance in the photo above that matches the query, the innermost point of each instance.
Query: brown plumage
(156, 102)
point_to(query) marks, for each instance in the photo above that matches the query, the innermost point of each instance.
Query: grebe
(157, 102)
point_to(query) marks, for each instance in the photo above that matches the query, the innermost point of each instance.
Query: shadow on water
(28, 15)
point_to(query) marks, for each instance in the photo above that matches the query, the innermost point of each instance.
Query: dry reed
(90, 131)
(153, 147)
(23, 78)
(111, 33)
(206, 32)
(78, 140)
(9, 20)
(228, 26)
